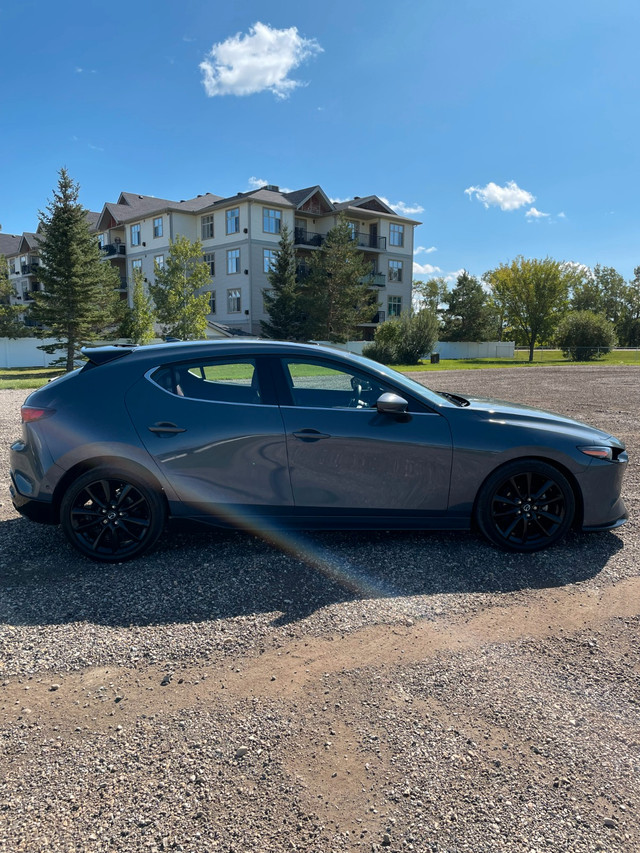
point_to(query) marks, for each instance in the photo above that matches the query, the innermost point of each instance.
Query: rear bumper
(35, 510)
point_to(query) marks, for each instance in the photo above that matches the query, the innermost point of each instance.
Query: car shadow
(198, 576)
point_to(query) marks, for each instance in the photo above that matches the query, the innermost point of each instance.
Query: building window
(396, 235)
(212, 302)
(233, 220)
(271, 220)
(210, 260)
(135, 235)
(157, 227)
(395, 306)
(352, 226)
(158, 261)
(206, 227)
(269, 259)
(12, 267)
(102, 241)
(233, 261)
(395, 270)
(234, 302)
(136, 265)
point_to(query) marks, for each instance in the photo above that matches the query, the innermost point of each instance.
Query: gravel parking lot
(340, 692)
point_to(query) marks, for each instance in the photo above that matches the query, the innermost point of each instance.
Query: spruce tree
(287, 320)
(79, 302)
(337, 297)
(181, 306)
(137, 324)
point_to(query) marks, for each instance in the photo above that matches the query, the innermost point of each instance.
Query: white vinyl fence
(24, 352)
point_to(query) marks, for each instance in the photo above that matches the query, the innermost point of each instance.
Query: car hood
(517, 412)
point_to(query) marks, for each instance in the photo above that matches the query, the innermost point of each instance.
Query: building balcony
(302, 237)
(376, 279)
(365, 240)
(111, 250)
(123, 283)
(29, 269)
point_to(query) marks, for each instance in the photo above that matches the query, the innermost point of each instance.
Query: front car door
(346, 459)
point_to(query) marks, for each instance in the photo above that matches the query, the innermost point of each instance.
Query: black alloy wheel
(525, 506)
(111, 516)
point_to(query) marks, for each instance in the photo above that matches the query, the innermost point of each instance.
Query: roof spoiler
(102, 355)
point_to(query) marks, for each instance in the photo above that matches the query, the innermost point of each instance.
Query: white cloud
(258, 61)
(562, 215)
(422, 250)
(258, 183)
(402, 208)
(533, 213)
(508, 197)
(425, 269)
(453, 276)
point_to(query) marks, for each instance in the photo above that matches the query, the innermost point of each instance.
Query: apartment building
(240, 235)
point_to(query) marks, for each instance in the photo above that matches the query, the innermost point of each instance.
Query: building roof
(132, 206)
(10, 244)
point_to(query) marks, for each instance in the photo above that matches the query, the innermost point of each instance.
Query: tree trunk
(531, 346)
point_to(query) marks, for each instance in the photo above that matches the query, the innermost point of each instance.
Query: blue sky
(505, 127)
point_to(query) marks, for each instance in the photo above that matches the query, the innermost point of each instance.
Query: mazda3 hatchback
(261, 435)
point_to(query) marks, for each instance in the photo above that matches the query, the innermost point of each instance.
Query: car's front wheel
(525, 506)
(111, 515)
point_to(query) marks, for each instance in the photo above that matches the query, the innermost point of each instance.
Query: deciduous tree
(137, 324)
(181, 304)
(467, 316)
(10, 324)
(533, 295)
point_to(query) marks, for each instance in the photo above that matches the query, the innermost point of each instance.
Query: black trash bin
(435, 358)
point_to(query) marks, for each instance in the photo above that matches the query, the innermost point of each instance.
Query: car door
(347, 458)
(216, 432)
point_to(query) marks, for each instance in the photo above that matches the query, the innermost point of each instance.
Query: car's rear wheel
(525, 506)
(111, 515)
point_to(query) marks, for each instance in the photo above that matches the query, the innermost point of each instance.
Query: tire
(525, 506)
(112, 516)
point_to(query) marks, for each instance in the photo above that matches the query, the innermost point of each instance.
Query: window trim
(158, 227)
(237, 290)
(268, 220)
(206, 222)
(229, 253)
(135, 229)
(399, 230)
(235, 218)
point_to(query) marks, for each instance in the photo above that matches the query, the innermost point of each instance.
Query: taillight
(33, 413)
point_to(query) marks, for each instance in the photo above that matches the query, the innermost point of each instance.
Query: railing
(376, 279)
(380, 317)
(302, 237)
(29, 269)
(113, 249)
(302, 271)
(364, 240)
(123, 283)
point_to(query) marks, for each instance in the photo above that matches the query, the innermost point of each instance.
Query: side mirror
(391, 404)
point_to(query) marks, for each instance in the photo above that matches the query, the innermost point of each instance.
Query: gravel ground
(342, 692)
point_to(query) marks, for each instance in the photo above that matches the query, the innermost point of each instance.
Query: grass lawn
(35, 377)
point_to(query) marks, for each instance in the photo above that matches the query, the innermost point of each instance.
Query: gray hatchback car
(262, 434)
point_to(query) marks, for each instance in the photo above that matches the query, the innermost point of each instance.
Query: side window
(221, 381)
(320, 385)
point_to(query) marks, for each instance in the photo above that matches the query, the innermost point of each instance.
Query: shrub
(585, 335)
(404, 339)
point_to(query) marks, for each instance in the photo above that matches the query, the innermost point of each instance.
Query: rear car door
(214, 429)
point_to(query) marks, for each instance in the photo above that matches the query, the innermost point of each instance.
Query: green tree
(10, 323)
(181, 306)
(585, 335)
(79, 302)
(532, 294)
(137, 323)
(467, 316)
(628, 326)
(336, 297)
(430, 294)
(282, 301)
(404, 339)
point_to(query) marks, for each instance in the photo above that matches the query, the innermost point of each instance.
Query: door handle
(166, 428)
(310, 435)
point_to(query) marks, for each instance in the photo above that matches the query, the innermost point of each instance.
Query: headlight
(598, 451)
